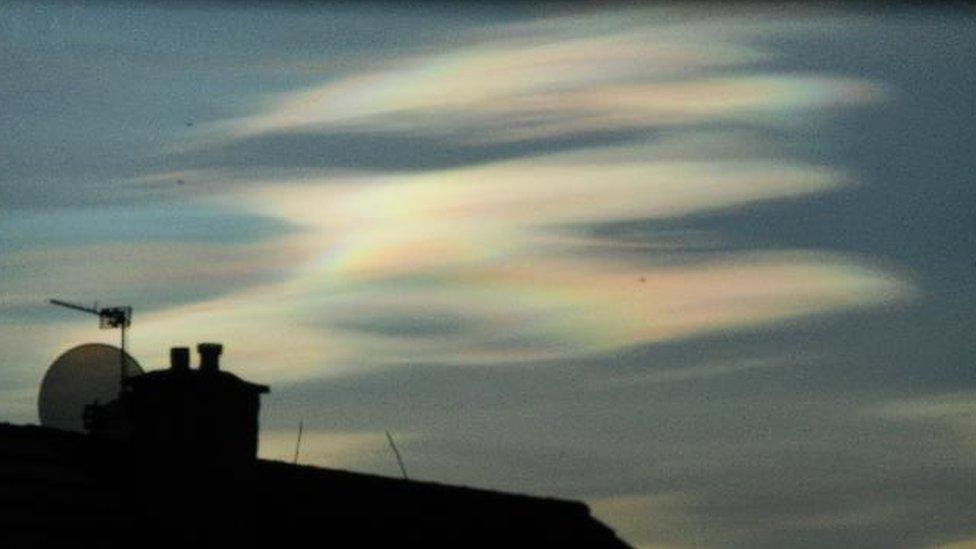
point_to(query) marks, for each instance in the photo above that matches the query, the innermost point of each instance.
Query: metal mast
(396, 452)
(108, 318)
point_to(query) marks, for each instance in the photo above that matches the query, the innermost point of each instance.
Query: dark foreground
(65, 489)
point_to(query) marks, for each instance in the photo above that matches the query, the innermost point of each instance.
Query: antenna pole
(122, 362)
(396, 452)
(298, 443)
(67, 305)
(109, 317)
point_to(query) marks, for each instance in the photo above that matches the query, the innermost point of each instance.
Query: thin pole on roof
(109, 317)
(298, 443)
(396, 452)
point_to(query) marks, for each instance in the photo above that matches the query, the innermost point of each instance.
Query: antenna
(396, 452)
(298, 443)
(108, 318)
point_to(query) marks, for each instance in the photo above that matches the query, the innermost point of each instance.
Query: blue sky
(710, 271)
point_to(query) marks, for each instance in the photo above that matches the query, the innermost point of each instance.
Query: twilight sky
(712, 271)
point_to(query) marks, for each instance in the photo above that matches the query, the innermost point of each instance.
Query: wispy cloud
(495, 246)
(487, 244)
(955, 412)
(557, 82)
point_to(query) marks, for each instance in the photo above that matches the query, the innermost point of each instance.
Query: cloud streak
(552, 84)
(494, 247)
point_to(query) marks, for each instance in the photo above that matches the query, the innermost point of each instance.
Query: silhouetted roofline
(197, 376)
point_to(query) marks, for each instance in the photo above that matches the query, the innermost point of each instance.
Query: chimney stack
(179, 359)
(210, 356)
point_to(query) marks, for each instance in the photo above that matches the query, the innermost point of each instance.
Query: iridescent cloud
(553, 82)
(484, 244)
(500, 249)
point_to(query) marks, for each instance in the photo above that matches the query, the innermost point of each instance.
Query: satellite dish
(81, 376)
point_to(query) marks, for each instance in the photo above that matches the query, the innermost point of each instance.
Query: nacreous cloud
(491, 262)
(484, 247)
(559, 81)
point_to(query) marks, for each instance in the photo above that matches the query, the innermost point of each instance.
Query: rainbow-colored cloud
(501, 248)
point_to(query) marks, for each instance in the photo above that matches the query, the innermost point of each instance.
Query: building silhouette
(183, 414)
(172, 463)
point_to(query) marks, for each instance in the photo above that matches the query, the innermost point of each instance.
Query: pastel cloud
(486, 247)
(594, 185)
(560, 81)
(496, 248)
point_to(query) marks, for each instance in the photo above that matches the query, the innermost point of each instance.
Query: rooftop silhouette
(184, 414)
(172, 462)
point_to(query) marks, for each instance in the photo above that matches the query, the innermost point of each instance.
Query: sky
(708, 269)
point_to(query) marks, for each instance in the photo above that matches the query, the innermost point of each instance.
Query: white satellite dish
(81, 376)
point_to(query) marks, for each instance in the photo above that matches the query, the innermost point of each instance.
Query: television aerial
(108, 318)
(86, 374)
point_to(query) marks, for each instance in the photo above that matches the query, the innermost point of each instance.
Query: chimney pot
(210, 356)
(179, 359)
